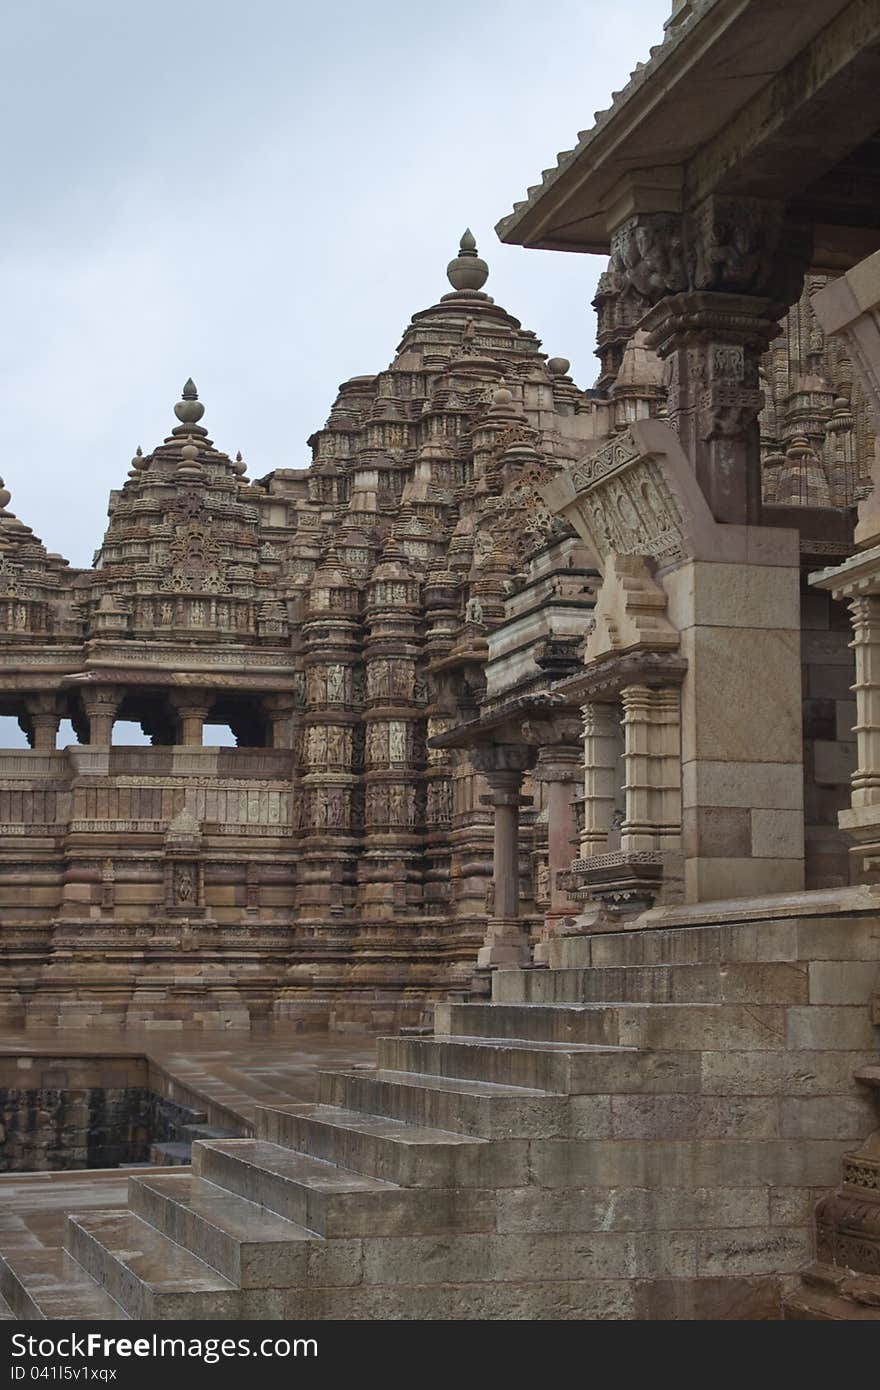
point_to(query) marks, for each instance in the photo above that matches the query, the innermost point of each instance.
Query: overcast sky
(260, 193)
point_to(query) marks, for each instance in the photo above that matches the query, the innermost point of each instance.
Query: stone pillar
(637, 830)
(559, 768)
(503, 767)
(714, 343)
(45, 719)
(193, 708)
(602, 746)
(390, 866)
(505, 942)
(741, 731)
(504, 799)
(667, 755)
(100, 705)
(866, 645)
(280, 709)
(329, 808)
(653, 780)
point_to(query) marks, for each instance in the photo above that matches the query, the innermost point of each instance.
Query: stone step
(251, 1247)
(146, 1273)
(6, 1313)
(404, 1154)
(833, 1293)
(47, 1284)
(562, 1069)
(781, 982)
(789, 937)
(187, 1133)
(171, 1153)
(481, 1108)
(332, 1201)
(714, 1027)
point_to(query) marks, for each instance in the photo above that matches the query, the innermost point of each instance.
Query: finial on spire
(189, 409)
(467, 271)
(558, 366)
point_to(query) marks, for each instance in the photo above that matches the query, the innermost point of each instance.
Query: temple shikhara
(552, 756)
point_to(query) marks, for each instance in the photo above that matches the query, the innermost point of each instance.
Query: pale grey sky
(260, 194)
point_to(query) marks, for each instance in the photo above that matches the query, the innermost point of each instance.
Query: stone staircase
(640, 1131)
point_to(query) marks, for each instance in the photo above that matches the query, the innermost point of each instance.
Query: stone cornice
(605, 680)
(672, 105)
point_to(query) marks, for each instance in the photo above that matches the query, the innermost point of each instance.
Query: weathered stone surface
(412, 652)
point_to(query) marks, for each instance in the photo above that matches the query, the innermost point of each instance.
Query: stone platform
(640, 1131)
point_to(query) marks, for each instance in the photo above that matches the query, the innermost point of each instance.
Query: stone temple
(557, 727)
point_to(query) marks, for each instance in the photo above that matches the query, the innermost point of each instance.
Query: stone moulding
(609, 675)
(623, 881)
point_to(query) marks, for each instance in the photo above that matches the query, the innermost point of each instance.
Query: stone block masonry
(64, 1112)
(641, 1130)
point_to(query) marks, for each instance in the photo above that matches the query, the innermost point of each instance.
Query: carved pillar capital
(100, 704)
(719, 277)
(724, 244)
(497, 759)
(44, 718)
(100, 697)
(561, 762)
(648, 255)
(504, 788)
(193, 707)
(191, 698)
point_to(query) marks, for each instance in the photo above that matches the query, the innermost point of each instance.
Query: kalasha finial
(189, 409)
(468, 271)
(558, 366)
(5, 496)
